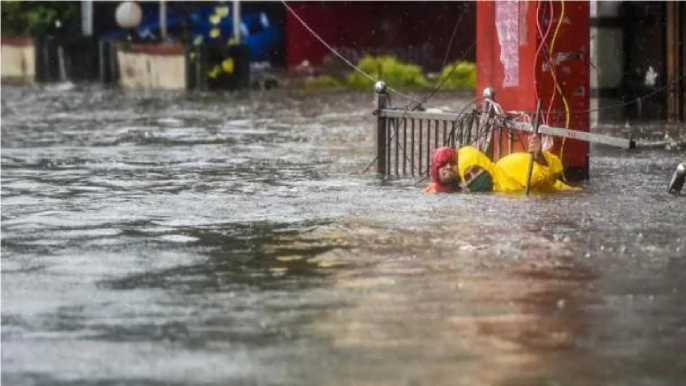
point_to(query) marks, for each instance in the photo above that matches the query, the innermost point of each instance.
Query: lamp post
(237, 21)
(129, 15)
(163, 21)
(87, 18)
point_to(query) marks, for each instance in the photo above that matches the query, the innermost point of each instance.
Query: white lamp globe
(129, 14)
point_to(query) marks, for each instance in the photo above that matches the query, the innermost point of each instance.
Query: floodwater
(150, 238)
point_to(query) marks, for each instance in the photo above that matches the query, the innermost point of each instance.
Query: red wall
(421, 30)
(533, 80)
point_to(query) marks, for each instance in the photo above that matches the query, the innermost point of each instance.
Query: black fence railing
(406, 139)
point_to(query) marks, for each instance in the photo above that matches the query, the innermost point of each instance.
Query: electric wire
(445, 79)
(346, 61)
(445, 59)
(549, 58)
(544, 37)
(557, 85)
(434, 90)
(481, 131)
(437, 86)
(624, 104)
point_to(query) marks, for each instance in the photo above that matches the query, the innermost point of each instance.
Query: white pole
(237, 21)
(87, 18)
(163, 20)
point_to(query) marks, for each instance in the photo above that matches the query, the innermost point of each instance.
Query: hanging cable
(636, 100)
(551, 60)
(557, 85)
(440, 85)
(356, 68)
(624, 104)
(333, 51)
(538, 50)
(542, 44)
(436, 87)
(445, 59)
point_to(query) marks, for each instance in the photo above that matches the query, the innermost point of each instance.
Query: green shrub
(321, 82)
(458, 76)
(390, 70)
(21, 18)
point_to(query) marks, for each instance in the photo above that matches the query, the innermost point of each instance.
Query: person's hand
(535, 149)
(535, 144)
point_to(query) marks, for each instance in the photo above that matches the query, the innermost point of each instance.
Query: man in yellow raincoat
(468, 169)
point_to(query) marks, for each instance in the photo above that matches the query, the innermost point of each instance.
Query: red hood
(442, 156)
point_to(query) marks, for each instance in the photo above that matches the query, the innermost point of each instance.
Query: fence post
(114, 62)
(486, 146)
(381, 145)
(200, 78)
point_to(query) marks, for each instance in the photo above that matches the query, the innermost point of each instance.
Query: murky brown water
(150, 238)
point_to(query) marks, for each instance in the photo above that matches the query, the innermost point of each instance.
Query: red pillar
(509, 61)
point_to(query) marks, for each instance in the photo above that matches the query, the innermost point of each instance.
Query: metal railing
(407, 138)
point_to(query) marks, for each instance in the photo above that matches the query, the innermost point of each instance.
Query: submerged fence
(407, 138)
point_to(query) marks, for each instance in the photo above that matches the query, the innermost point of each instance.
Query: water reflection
(249, 257)
(441, 313)
(151, 238)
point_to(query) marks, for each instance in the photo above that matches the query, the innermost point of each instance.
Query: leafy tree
(22, 18)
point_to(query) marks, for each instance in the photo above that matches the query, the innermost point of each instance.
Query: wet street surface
(150, 238)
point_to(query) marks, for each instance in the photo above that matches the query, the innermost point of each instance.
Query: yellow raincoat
(509, 173)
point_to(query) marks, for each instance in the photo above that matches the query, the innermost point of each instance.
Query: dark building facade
(638, 52)
(418, 32)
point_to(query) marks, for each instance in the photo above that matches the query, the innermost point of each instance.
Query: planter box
(18, 59)
(160, 66)
(178, 67)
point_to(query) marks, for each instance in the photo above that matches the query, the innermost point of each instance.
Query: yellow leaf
(192, 56)
(215, 19)
(198, 40)
(227, 66)
(231, 42)
(214, 72)
(222, 11)
(214, 33)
